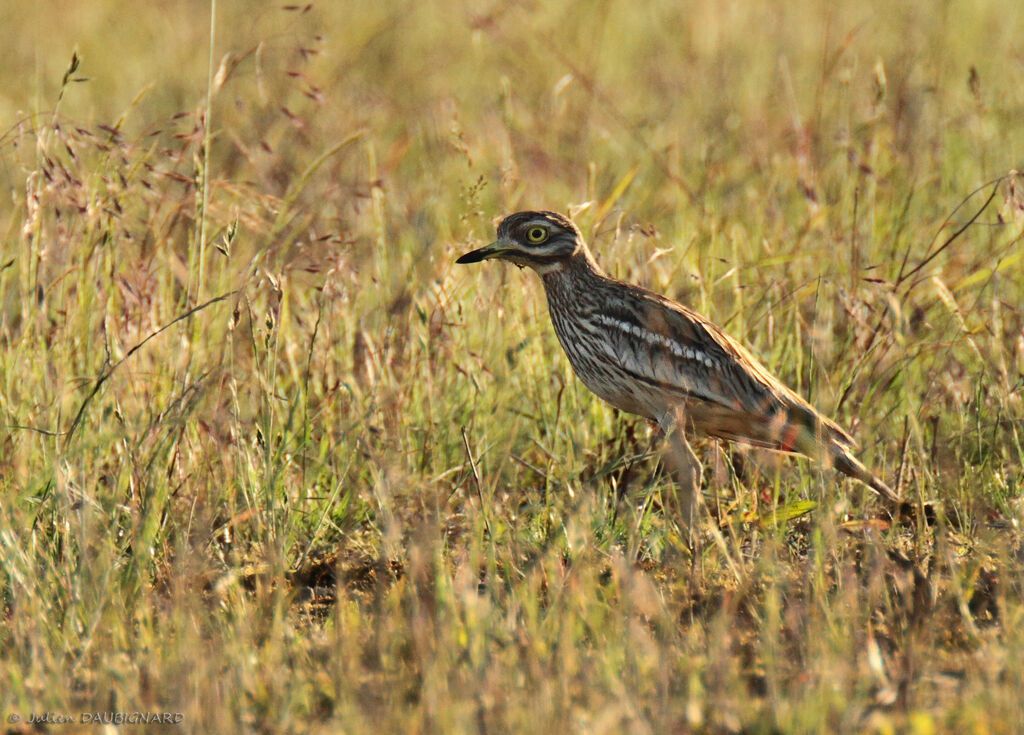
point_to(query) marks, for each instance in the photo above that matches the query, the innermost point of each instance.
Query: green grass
(305, 474)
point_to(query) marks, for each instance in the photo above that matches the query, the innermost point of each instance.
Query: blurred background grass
(347, 485)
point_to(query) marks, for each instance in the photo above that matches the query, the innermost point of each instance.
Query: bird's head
(545, 241)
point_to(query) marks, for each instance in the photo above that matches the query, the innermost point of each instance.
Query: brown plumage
(648, 355)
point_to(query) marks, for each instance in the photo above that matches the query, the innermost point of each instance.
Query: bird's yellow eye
(536, 235)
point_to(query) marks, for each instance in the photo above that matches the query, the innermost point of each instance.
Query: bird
(648, 355)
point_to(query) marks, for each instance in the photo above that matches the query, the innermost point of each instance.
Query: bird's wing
(690, 352)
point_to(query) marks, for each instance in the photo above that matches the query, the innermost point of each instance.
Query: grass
(272, 462)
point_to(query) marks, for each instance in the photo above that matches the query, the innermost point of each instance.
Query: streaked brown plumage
(648, 355)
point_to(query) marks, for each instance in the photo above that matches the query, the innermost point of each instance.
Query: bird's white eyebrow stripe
(682, 351)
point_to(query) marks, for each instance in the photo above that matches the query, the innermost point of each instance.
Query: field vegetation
(270, 460)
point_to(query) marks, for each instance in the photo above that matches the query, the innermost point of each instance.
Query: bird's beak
(494, 250)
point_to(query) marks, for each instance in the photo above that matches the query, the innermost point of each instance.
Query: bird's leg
(686, 470)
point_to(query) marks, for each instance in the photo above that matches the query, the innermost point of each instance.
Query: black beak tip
(471, 257)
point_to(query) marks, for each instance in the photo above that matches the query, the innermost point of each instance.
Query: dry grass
(272, 462)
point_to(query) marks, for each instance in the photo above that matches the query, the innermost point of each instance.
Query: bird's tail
(824, 440)
(798, 428)
(846, 463)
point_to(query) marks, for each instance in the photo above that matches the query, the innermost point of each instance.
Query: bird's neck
(574, 272)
